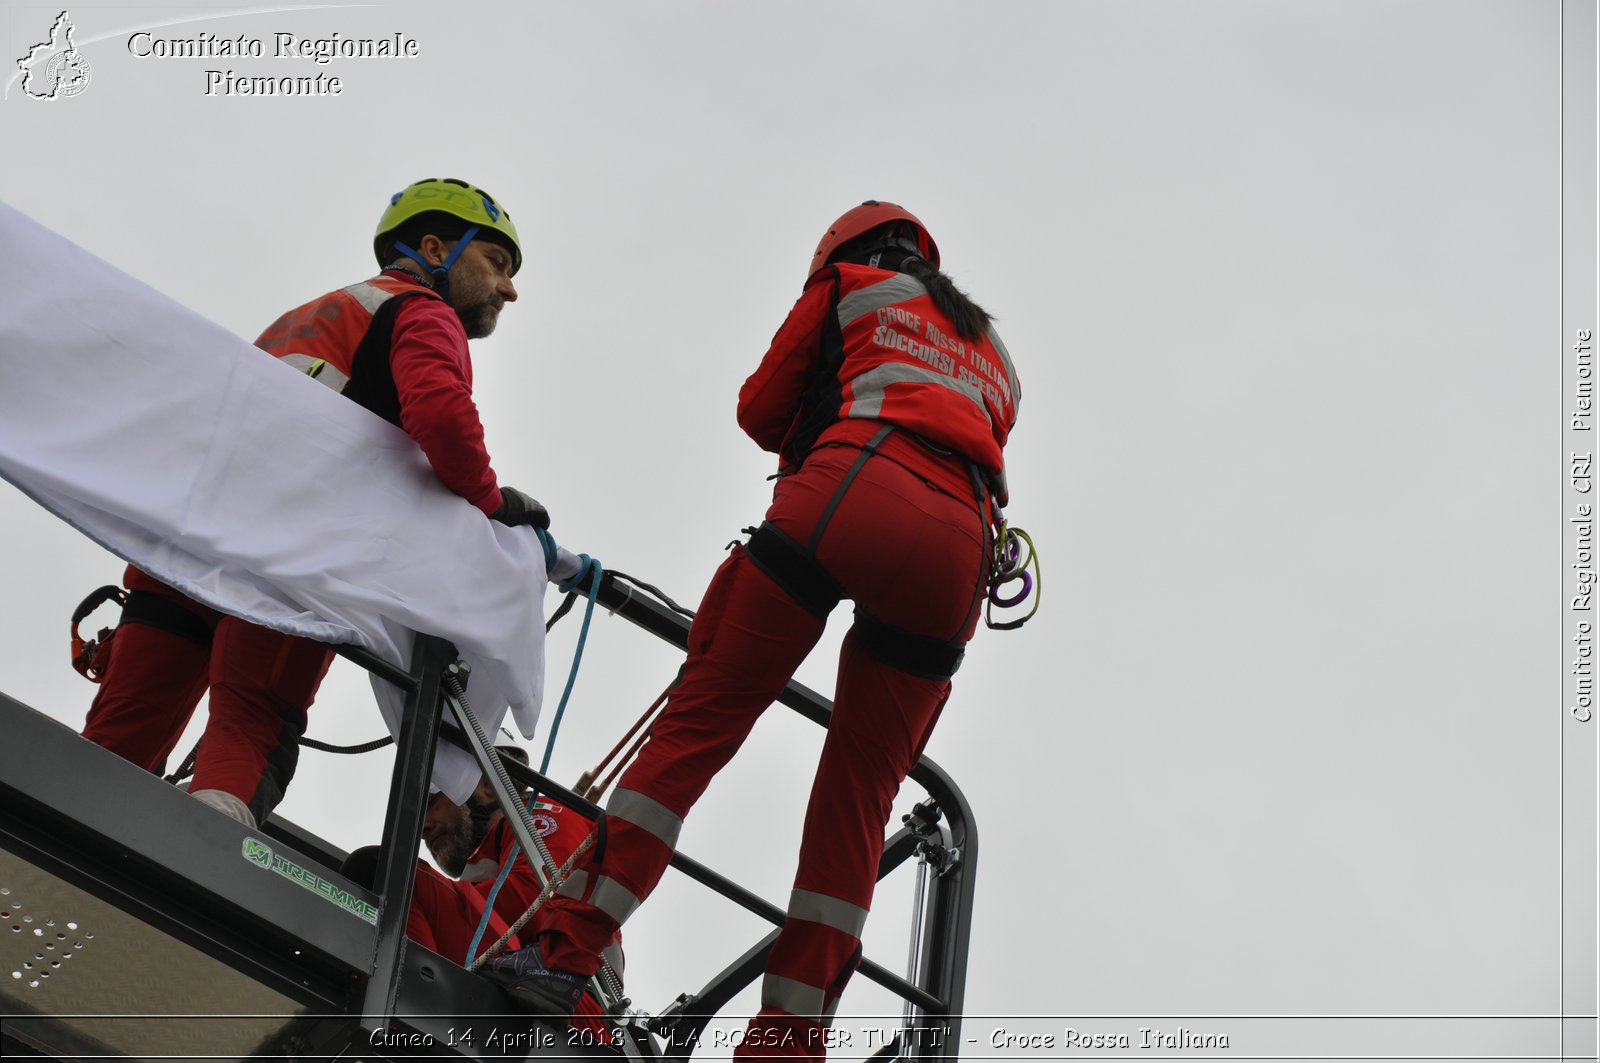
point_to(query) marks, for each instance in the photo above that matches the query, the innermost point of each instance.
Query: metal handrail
(940, 984)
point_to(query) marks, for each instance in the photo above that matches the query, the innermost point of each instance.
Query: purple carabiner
(1006, 603)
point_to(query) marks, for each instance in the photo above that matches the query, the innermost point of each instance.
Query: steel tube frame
(940, 986)
(402, 828)
(947, 925)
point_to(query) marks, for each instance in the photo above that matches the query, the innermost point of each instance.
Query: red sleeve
(433, 379)
(770, 399)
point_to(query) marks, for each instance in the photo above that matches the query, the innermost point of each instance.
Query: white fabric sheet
(251, 487)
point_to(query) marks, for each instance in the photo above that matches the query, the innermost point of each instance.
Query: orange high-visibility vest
(342, 339)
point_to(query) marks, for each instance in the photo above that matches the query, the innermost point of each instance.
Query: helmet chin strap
(440, 273)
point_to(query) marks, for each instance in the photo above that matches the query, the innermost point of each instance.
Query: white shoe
(226, 803)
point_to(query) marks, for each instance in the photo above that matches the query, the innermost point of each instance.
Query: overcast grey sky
(1282, 284)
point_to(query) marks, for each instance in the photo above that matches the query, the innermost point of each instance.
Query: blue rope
(555, 727)
(595, 571)
(488, 905)
(547, 543)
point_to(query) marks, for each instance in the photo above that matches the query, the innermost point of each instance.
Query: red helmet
(865, 218)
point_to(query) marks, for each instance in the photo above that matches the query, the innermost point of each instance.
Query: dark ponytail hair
(894, 247)
(970, 320)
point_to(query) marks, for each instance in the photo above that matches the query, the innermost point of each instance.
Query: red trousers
(907, 542)
(261, 684)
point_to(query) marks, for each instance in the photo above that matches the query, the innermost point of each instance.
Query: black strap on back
(898, 648)
(823, 395)
(844, 485)
(797, 569)
(153, 610)
(371, 376)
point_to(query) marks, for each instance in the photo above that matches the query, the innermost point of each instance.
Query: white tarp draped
(251, 487)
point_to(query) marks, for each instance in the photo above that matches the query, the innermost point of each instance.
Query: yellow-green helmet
(457, 199)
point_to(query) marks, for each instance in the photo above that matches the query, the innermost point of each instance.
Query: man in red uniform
(472, 843)
(397, 345)
(888, 397)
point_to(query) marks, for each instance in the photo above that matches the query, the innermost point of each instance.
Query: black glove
(518, 509)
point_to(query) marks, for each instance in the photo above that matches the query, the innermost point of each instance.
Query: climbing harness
(796, 570)
(1010, 564)
(91, 657)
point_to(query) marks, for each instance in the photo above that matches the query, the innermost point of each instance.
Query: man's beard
(454, 846)
(476, 304)
(479, 319)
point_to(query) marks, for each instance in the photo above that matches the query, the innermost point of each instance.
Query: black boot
(537, 989)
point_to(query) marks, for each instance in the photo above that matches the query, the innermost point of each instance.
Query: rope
(586, 783)
(561, 610)
(577, 659)
(544, 764)
(606, 980)
(488, 903)
(364, 747)
(607, 975)
(654, 590)
(545, 894)
(186, 769)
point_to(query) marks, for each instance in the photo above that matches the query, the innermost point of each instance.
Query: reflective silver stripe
(647, 814)
(369, 295)
(867, 389)
(612, 954)
(796, 998)
(573, 885)
(317, 370)
(896, 289)
(1011, 370)
(843, 916)
(613, 898)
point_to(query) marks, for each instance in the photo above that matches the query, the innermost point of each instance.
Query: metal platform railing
(941, 834)
(332, 956)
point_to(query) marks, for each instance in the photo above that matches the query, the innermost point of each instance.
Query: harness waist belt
(155, 611)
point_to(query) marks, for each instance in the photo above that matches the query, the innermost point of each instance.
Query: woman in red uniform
(888, 397)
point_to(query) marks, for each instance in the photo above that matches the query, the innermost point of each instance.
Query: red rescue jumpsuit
(906, 540)
(394, 347)
(445, 912)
